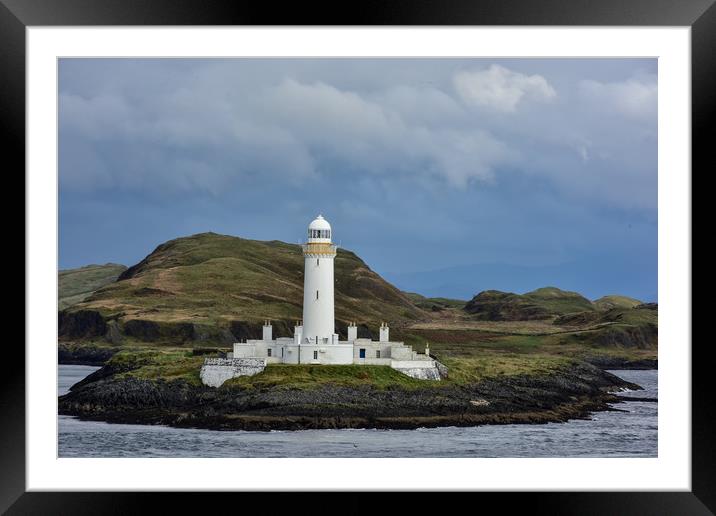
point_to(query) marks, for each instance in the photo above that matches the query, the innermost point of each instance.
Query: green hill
(607, 302)
(434, 304)
(559, 301)
(202, 286)
(75, 285)
(543, 303)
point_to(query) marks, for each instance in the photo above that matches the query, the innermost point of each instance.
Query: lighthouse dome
(319, 230)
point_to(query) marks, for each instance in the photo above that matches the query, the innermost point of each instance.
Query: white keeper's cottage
(315, 341)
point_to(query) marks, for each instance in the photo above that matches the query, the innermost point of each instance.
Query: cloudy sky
(447, 176)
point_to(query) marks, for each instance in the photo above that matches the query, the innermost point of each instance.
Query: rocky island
(150, 388)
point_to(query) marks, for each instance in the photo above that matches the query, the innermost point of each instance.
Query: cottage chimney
(352, 331)
(384, 332)
(297, 332)
(268, 331)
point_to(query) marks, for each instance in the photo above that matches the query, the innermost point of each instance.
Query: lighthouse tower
(318, 309)
(314, 342)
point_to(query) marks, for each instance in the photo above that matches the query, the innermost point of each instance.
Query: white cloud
(635, 97)
(501, 89)
(209, 127)
(375, 134)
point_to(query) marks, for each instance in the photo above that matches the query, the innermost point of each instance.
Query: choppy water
(632, 433)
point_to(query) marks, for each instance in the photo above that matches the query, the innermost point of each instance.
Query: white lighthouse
(315, 341)
(318, 309)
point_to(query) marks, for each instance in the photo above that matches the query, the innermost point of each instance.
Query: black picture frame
(700, 15)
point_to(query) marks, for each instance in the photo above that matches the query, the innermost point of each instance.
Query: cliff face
(569, 393)
(69, 353)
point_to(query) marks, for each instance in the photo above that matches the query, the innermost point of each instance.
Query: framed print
(426, 252)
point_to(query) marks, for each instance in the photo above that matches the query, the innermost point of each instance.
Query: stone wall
(421, 373)
(420, 369)
(442, 369)
(216, 371)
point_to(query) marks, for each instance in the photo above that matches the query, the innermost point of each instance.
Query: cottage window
(315, 355)
(268, 352)
(377, 353)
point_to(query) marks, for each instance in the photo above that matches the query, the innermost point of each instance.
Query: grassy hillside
(75, 285)
(543, 303)
(607, 302)
(434, 304)
(188, 287)
(636, 327)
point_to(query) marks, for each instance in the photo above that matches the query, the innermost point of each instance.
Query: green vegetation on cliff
(75, 285)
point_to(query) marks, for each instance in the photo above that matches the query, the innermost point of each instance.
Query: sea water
(629, 432)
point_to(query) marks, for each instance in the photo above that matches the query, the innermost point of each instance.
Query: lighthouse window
(377, 353)
(315, 355)
(268, 352)
(316, 295)
(318, 262)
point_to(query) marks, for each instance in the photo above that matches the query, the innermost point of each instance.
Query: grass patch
(305, 376)
(463, 370)
(166, 365)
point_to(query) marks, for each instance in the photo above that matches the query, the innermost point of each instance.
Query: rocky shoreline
(78, 354)
(606, 362)
(573, 393)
